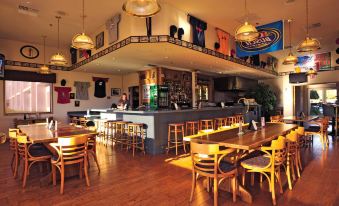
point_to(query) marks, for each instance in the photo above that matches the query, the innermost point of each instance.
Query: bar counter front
(156, 122)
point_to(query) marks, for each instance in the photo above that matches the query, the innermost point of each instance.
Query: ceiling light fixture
(58, 58)
(309, 44)
(82, 41)
(290, 59)
(44, 69)
(141, 8)
(312, 73)
(246, 32)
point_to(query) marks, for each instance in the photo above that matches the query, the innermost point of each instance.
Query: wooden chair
(13, 146)
(219, 122)
(30, 154)
(208, 161)
(206, 124)
(320, 128)
(192, 127)
(276, 119)
(70, 150)
(230, 120)
(136, 135)
(301, 141)
(269, 164)
(292, 157)
(92, 143)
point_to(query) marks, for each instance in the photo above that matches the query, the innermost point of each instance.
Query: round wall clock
(29, 52)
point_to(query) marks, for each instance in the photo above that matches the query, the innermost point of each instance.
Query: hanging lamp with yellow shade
(246, 32)
(141, 8)
(81, 40)
(309, 44)
(58, 58)
(290, 59)
(44, 69)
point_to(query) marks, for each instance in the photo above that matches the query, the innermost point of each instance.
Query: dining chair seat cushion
(39, 151)
(313, 129)
(256, 162)
(224, 166)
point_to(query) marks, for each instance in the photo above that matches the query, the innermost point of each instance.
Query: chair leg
(297, 165)
(215, 191)
(16, 162)
(81, 166)
(299, 160)
(193, 185)
(273, 189)
(279, 180)
(252, 178)
(25, 173)
(86, 171)
(288, 174)
(62, 179)
(234, 188)
(54, 174)
(243, 177)
(96, 160)
(168, 139)
(176, 141)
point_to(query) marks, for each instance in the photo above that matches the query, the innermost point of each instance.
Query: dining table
(245, 142)
(300, 120)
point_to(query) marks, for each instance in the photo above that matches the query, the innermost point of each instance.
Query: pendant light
(141, 8)
(82, 41)
(246, 32)
(309, 44)
(312, 73)
(58, 59)
(44, 69)
(290, 59)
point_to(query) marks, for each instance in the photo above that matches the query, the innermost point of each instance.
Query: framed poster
(71, 95)
(115, 92)
(77, 103)
(2, 66)
(99, 40)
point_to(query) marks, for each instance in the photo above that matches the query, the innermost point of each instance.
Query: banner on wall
(320, 62)
(271, 39)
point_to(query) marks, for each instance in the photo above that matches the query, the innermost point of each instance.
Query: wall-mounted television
(297, 78)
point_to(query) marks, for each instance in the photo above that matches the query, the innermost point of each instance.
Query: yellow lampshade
(82, 41)
(246, 32)
(290, 59)
(44, 70)
(308, 45)
(311, 71)
(297, 70)
(141, 8)
(58, 59)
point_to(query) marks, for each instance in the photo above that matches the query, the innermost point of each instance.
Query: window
(27, 97)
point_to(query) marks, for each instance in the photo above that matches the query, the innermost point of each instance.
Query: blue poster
(271, 39)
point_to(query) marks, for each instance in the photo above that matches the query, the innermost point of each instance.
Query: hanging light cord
(289, 31)
(58, 17)
(246, 12)
(307, 34)
(83, 16)
(44, 38)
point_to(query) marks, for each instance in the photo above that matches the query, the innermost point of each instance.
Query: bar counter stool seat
(219, 122)
(121, 132)
(136, 137)
(206, 124)
(230, 120)
(192, 128)
(177, 129)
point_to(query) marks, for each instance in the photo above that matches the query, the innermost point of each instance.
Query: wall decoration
(181, 32)
(2, 66)
(77, 103)
(115, 92)
(99, 40)
(320, 62)
(72, 95)
(29, 52)
(224, 41)
(100, 87)
(112, 25)
(173, 30)
(271, 39)
(198, 29)
(63, 94)
(81, 90)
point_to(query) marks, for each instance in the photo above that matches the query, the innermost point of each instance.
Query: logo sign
(271, 39)
(319, 62)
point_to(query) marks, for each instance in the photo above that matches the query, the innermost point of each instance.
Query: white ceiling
(136, 57)
(226, 14)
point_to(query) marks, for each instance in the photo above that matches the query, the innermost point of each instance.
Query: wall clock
(29, 52)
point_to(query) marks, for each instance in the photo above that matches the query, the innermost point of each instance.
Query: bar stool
(230, 120)
(110, 130)
(192, 127)
(238, 118)
(120, 134)
(136, 137)
(219, 122)
(206, 124)
(176, 128)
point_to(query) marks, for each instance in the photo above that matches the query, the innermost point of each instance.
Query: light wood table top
(39, 133)
(249, 140)
(299, 119)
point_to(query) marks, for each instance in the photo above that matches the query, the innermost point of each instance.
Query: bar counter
(157, 121)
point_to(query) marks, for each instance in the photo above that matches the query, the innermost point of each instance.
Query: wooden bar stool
(230, 120)
(238, 118)
(176, 128)
(192, 128)
(206, 124)
(219, 122)
(120, 134)
(136, 135)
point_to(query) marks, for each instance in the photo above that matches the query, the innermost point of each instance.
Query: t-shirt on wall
(82, 90)
(100, 87)
(63, 94)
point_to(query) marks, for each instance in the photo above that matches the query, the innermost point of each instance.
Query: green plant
(314, 94)
(264, 96)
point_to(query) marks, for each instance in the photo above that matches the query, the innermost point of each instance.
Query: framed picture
(29, 52)
(77, 103)
(115, 92)
(99, 40)
(2, 66)
(71, 95)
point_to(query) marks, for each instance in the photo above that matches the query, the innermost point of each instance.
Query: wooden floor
(161, 180)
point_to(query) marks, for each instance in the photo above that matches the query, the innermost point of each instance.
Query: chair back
(300, 131)
(279, 150)
(204, 158)
(292, 142)
(23, 145)
(72, 149)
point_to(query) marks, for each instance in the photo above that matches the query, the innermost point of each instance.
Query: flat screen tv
(296, 78)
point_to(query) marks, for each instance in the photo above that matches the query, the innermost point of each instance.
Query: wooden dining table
(300, 119)
(39, 133)
(243, 142)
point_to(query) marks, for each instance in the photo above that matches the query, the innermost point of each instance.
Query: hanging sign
(319, 62)
(271, 39)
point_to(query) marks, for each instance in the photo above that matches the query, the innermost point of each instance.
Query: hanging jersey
(81, 90)
(224, 39)
(63, 94)
(198, 28)
(112, 27)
